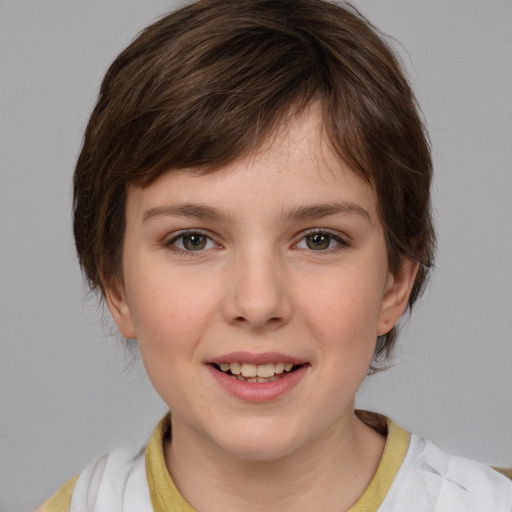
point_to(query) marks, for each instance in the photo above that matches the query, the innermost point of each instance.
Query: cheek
(170, 311)
(171, 317)
(343, 309)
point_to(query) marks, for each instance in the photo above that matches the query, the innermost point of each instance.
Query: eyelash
(341, 242)
(171, 244)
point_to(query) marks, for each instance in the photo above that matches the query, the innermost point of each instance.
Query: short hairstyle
(210, 82)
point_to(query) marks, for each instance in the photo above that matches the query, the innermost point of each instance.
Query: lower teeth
(255, 379)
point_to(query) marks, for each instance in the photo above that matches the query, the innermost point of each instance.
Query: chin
(259, 441)
(250, 450)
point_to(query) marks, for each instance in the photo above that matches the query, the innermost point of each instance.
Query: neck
(330, 473)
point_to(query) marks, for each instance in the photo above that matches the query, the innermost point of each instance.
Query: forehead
(295, 166)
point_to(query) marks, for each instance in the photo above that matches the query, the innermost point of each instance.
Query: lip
(263, 358)
(254, 392)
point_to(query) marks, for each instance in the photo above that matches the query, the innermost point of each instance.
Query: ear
(120, 310)
(396, 295)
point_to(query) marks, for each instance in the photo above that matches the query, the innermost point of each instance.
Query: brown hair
(210, 82)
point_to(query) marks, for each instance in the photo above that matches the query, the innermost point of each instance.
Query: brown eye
(321, 241)
(191, 242)
(318, 241)
(194, 242)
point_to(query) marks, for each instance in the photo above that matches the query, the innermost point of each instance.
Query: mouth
(259, 373)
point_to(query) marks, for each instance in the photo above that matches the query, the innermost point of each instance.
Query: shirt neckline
(163, 491)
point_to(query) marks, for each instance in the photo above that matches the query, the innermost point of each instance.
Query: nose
(258, 296)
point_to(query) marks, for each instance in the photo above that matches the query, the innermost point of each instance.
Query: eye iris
(318, 241)
(194, 242)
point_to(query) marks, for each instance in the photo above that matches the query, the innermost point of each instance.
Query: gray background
(68, 391)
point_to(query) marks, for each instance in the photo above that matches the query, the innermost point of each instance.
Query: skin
(257, 286)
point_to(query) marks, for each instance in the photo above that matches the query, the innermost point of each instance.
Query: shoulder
(116, 482)
(61, 500)
(504, 471)
(447, 483)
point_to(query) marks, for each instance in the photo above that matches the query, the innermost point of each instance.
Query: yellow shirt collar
(165, 497)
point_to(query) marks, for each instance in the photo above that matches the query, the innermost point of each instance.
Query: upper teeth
(256, 370)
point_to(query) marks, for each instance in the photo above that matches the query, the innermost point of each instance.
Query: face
(257, 293)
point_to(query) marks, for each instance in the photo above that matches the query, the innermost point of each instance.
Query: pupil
(194, 242)
(318, 241)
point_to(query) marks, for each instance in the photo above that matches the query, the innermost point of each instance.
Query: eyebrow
(318, 211)
(301, 213)
(194, 211)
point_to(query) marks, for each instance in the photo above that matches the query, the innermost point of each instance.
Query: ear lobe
(120, 310)
(396, 295)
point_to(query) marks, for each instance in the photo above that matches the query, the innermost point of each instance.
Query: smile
(249, 372)
(258, 378)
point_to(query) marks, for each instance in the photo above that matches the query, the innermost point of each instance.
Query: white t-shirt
(414, 475)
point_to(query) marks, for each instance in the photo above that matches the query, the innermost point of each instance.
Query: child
(252, 201)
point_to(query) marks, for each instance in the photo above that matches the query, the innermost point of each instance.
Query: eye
(320, 241)
(191, 241)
